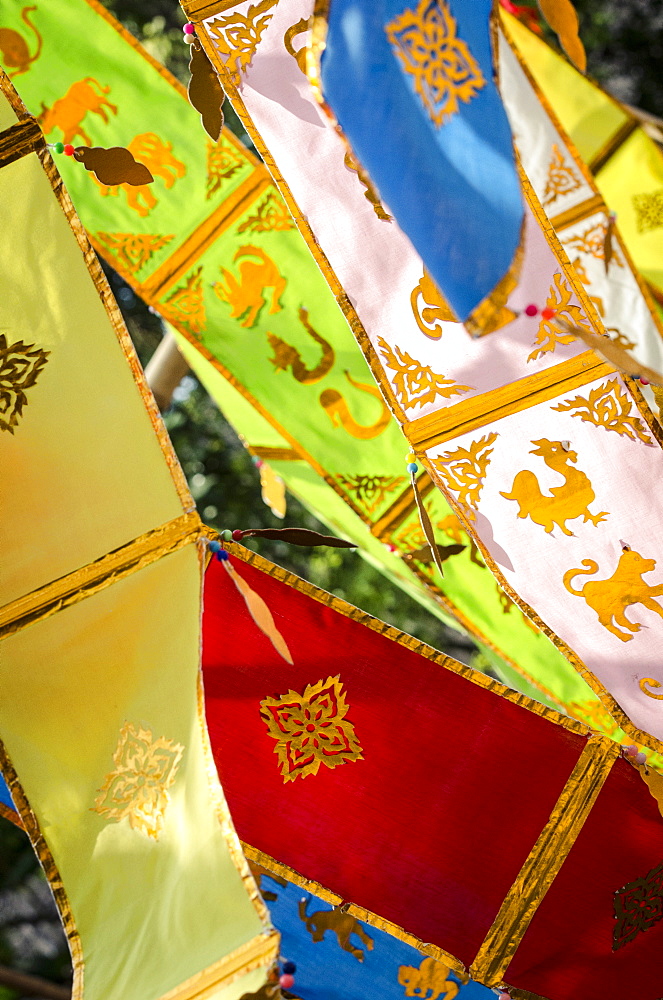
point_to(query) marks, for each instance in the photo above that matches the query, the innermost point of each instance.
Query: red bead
(531, 309)
(548, 313)
(68, 149)
(644, 381)
(238, 535)
(286, 981)
(630, 751)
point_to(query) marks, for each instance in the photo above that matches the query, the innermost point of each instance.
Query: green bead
(227, 535)
(59, 147)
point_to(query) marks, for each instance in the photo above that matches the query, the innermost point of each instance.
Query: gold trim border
(260, 950)
(367, 916)
(97, 575)
(11, 815)
(545, 860)
(252, 558)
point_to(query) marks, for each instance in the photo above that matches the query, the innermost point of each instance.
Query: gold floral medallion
(137, 788)
(311, 729)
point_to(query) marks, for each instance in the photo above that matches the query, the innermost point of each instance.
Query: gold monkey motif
(343, 925)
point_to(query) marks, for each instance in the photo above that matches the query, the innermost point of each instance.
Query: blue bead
(214, 546)
(289, 968)
(412, 467)
(222, 555)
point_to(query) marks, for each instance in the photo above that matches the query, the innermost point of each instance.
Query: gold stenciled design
(20, 366)
(14, 50)
(237, 36)
(414, 384)
(246, 296)
(592, 242)
(155, 154)
(343, 925)
(508, 606)
(132, 251)
(336, 407)
(607, 406)
(430, 308)
(286, 356)
(443, 69)
(186, 305)
(69, 111)
(610, 598)
(370, 491)
(298, 28)
(651, 682)
(561, 178)
(464, 469)
(370, 193)
(311, 729)
(549, 336)
(648, 210)
(566, 502)
(431, 980)
(137, 787)
(441, 65)
(452, 526)
(271, 214)
(223, 161)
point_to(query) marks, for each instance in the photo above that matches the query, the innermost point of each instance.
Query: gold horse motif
(246, 296)
(337, 410)
(430, 980)
(342, 924)
(610, 598)
(566, 502)
(14, 48)
(286, 356)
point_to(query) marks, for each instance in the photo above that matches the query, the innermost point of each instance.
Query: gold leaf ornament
(562, 18)
(115, 165)
(205, 92)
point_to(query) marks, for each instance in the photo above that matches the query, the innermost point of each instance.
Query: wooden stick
(33, 986)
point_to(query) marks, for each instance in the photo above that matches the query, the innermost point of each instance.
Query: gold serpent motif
(653, 683)
(443, 70)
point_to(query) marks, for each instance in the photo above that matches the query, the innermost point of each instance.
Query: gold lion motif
(610, 598)
(430, 980)
(137, 788)
(311, 729)
(443, 69)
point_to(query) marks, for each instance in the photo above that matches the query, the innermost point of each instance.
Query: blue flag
(410, 82)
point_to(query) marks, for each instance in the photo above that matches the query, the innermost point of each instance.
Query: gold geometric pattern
(548, 335)
(311, 729)
(415, 385)
(607, 406)
(223, 160)
(443, 70)
(464, 469)
(370, 491)
(20, 367)
(271, 214)
(237, 37)
(186, 304)
(561, 178)
(132, 251)
(648, 210)
(592, 242)
(137, 787)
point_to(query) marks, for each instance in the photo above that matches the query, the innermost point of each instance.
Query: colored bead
(630, 751)
(289, 968)
(189, 39)
(531, 309)
(59, 147)
(287, 982)
(189, 28)
(410, 457)
(214, 546)
(640, 758)
(644, 381)
(612, 216)
(226, 535)
(68, 149)
(237, 535)
(392, 547)
(548, 313)
(222, 555)
(412, 467)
